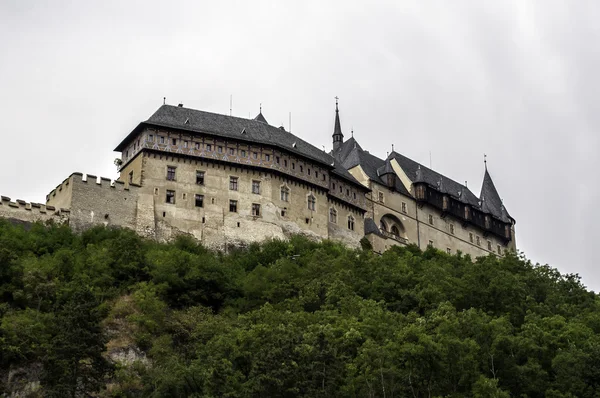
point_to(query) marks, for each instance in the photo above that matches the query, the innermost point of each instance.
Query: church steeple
(338, 137)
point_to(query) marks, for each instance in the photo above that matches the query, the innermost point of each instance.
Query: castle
(230, 181)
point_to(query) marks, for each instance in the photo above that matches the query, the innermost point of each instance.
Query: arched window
(333, 215)
(311, 201)
(394, 230)
(351, 223)
(285, 194)
(382, 226)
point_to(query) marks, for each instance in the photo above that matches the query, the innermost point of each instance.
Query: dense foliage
(287, 319)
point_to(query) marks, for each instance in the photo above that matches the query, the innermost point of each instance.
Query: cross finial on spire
(392, 147)
(485, 160)
(336, 103)
(352, 132)
(260, 107)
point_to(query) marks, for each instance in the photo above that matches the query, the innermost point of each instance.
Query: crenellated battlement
(91, 181)
(30, 211)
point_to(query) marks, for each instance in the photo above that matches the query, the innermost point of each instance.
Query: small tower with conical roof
(338, 137)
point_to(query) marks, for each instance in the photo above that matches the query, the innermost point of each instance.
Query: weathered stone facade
(230, 181)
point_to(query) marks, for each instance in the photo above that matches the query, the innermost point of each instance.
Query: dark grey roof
(386, 168)
(337, 130)
(417, 172)
(260, 118)
(370, 164)
(490, 199)
(371, 227)
(224, 126)
(346, 148)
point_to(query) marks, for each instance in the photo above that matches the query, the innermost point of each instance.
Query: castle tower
(338, 137)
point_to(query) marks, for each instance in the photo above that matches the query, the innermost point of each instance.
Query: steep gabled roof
(231, 127)
(490, 199)
(416, 171)
(260, 118)
(225, 126)
(344, 150)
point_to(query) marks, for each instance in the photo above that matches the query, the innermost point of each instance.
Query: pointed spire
(490, 198)
(338, 137)
(260, 117)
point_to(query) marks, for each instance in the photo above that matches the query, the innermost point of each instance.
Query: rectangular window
(268, 158)
(185, 144)
(256, 187)
(478, 240)
(316, 174)
(431, 219)
(255, 155)
(301, 169)
(354, 195)
(197, 145)
(243, 153)
(452, 229)
(333, 215)
(208, 147)
(171, 173)
(284, 162)
(199, 200)
(333, 186)
(131, 177)
(220, 149)
(170, 197)
(489, 245)
(404, 207)
(293, 166)
(277, 159)
(233, 206)
(430, 243)
(199, 177)
(470, 237)
(151, 138)
(174, 141)
(499, 250)
(233, 183)
(448, 250)
(283, 212)
(255, 209)
(162, 140)
(308, 171)
(231, 151)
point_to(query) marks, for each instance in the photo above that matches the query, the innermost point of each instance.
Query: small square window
(470, 237)
(277, 159)
(430, 243)
(220, 149)
(243, 153)
(255, 155)
(256, 187)
(380, 197)
(404, 207)
(199, 200)
(170, 198)
(174, 141)
(231, 151)
(233, 183)
(283, 212)
(431, 219)
(233, 206)
(448, 250)
(284, 162)
(489, 245)
(255, 209)
(185, 144)
(151, 138)
(268, 158)
(208, 147)
(197, 145)
(171, 173)
(199, 177)
(478, 240)
(162, 140)
(184, 196)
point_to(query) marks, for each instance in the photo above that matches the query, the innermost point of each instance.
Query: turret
(338, 137)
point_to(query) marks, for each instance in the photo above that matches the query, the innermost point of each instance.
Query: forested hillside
(109, 314)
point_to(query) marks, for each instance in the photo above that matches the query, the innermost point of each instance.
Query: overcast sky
(517, 80)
